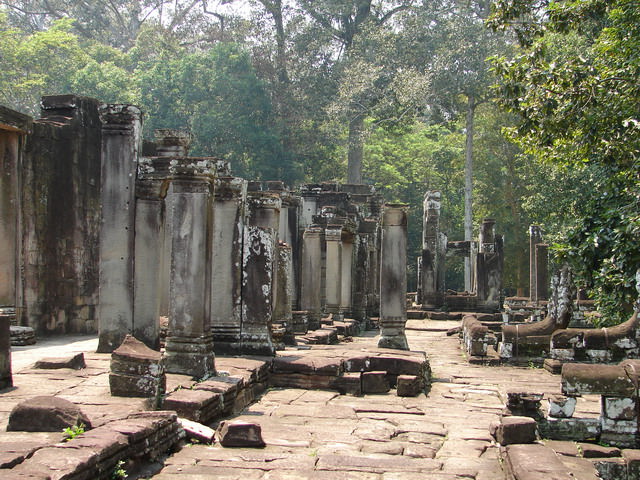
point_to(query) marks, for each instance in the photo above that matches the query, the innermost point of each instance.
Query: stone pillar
(169, 143)
(360, 274)
(393, 277)
(542, 272)
(189, 347)
(282, 312)
(121, 125)
(333, 282)
(259, 267)
(311, 275)
(151, 190)
(347, 268)
(487, 237)
(226, 285)
(430, 252)
(14, 127)
(535, 237)
(6, 380)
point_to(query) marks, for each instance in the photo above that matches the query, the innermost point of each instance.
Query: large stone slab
(46, 414)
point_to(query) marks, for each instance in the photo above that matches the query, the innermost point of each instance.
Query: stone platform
(311, 434)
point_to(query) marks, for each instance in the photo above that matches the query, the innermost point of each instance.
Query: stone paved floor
(323, 435)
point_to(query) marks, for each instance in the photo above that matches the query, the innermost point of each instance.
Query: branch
(393, 11)
(306, 5)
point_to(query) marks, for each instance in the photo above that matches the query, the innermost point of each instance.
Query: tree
(579, 110)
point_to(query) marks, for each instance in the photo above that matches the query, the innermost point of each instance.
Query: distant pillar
(284, 287)
(542, 272)
(311, 274)
(151, 189)
(121, 126)
(347, 268)
(393, 277)
(259, 264)
(430, 261)
(333, 239)
(226, 285)
(535, 237)
(189, 347)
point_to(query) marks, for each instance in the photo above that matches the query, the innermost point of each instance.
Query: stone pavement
(320, 434)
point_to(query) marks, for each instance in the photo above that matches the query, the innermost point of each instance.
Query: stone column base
(392, 333)
(190, 355)
(257, 344)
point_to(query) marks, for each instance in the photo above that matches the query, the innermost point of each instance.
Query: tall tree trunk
(468, 188)
(356, 147)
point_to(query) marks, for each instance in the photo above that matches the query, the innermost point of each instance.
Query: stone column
(151, 190)
(333, 282)
(360, 274)
(226, 285)
(6, 380)
(258, 265)
(189, 347)
(393, 277)
(347, 268)
(542, 272)
(121, 126)
(311, 274)
(487, 236)
(284, 286)
(430, 258)
(535, 237)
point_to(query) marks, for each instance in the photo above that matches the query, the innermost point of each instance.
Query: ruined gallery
(162, 318)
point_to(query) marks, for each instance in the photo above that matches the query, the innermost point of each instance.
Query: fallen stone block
(75, 362)
(46, 414)
(307, 364)
(375, 382)
(303, 380)
(513, 430)
(21, 336)
(577, 429)
(240, 434)
(408, 386)
(552, 365)
(619, 408)
(197, 431)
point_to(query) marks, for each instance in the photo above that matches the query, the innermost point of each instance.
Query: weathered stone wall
(61, 216)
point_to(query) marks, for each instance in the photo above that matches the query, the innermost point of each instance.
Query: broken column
(121, 126)
(393, 277)
(259, 264)
(489, 262)
(282, 314)
(333, 282)
(226, 289)
(311, 275)
(151, 190)
(189, 347)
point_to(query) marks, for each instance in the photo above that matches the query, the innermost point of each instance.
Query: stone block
(303, 380)
(512, 430)
(398, 364)
(197, 431)
(619, 408)
(408, 386)
(561, 406)
(75, 362)
(375, 382)
(535, 462)
(577, 429)
(553, 365)
(593, 450)
(632, 460)
(136, 370)
(46, 414)
(348, 383)
(307, 364)
(196, 405)
(240, 434)
(611, 468)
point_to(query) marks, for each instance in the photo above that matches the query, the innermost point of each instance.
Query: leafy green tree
(579, 110)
